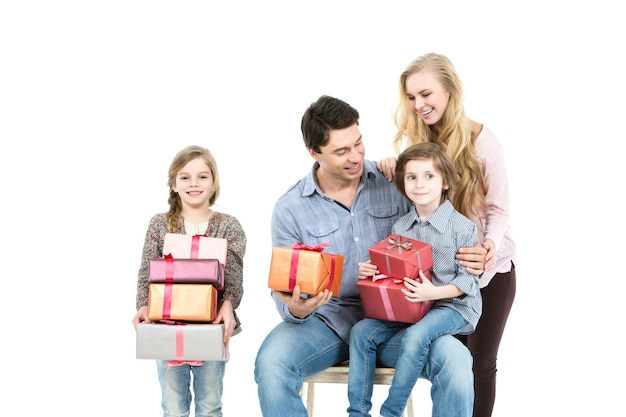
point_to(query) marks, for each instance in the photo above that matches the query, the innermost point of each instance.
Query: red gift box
(383, 299)
(186, 271)
(307, 267)
(398, 256)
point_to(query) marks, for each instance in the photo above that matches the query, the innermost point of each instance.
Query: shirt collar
(439, 219)
(310, 185)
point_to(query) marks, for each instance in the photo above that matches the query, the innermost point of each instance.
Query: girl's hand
(141, 316)
(226, 316)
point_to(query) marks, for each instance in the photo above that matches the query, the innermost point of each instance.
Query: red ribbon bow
(318, 248)
(293, 270)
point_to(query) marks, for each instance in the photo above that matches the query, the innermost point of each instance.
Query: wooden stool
(338, 374)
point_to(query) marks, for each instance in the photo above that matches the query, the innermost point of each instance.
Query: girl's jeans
(207, 388)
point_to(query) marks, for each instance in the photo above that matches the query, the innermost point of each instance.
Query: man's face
(342, 158)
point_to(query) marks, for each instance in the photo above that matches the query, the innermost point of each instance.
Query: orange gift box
(195, 246)
(398, 256)
(182, 302)
(383, 299)
(307, 267)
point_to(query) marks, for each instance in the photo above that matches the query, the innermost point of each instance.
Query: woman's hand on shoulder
(473, 258)
(388, 167)
(492, 254)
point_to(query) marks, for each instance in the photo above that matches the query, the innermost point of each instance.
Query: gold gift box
(185, 302)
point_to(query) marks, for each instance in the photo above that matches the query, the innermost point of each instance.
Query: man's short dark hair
(322, 116)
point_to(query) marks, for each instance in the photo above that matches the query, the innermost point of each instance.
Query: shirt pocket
(326, 233)
(383, 218)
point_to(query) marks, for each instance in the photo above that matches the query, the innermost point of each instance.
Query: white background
(96, 97)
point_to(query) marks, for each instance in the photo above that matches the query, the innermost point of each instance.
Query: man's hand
(302, 307)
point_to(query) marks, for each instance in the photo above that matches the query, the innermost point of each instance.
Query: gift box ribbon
(293, 270)
(169, 268)
(384, 294)
(399, 244)
(167, 292)
(169, 275)
(180, 350)
(195, 246)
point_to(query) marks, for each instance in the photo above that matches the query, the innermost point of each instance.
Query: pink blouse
(497, 228)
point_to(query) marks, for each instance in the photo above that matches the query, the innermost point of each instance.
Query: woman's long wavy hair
(453, 132)
(180, 160)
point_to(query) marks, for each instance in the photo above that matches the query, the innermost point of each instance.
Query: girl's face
(423, 185)
(194, 183)
(427, 96)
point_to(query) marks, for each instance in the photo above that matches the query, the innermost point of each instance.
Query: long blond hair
(453, 133)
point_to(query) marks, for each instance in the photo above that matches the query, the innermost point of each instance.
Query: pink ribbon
(180, 350)
(293, 266)
(384, 294)
(169, 268)
(167, 301)
(383, 276)
(195, 246)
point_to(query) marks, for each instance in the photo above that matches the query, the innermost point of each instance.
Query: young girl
(194, 187)
(430, 109)
(423, 174)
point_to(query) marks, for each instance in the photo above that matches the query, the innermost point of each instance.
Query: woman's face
(427, 96)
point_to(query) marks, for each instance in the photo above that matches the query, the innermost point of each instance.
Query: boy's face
(423, 185)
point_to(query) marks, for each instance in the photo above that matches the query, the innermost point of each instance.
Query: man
(347, 203)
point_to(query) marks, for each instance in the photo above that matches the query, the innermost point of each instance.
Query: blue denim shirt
(305, 214)
(447, 230)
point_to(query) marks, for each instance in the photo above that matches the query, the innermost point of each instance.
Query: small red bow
(318, 248)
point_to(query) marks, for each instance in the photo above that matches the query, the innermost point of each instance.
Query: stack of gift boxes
(395, 257)
(182, 301)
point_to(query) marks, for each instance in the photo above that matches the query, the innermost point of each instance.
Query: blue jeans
(207, 388)
(291, 352)
(445, 362)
